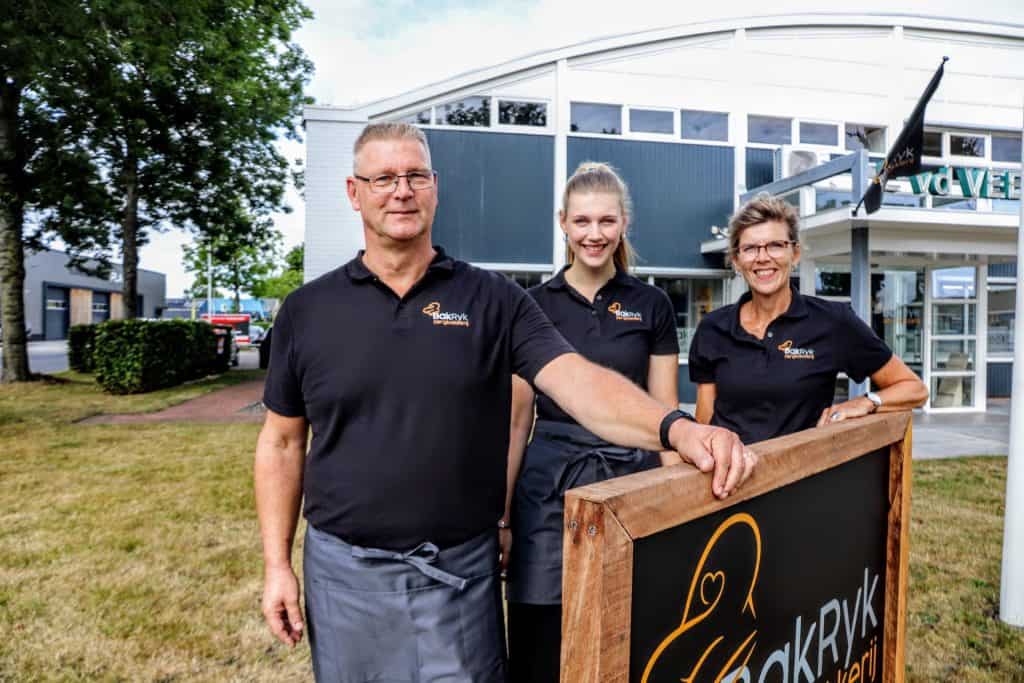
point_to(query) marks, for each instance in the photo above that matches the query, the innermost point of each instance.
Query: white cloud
(365, 50)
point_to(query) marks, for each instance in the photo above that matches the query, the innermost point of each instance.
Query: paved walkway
(240, 403)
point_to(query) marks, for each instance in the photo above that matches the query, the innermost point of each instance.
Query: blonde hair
(596, 176)
(761, 209)
(390, 130)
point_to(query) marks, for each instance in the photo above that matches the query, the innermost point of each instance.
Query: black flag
(904, 158)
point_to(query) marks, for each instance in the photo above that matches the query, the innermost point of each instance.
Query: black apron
(561, 456)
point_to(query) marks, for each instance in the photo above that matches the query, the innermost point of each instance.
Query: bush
(81, 342)
(136, 356)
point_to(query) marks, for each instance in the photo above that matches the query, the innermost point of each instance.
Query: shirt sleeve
(282, 392)
(702, 369)
(665, 338)
(534, 340)
(863, 352)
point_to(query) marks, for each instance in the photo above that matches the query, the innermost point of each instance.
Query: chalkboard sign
(800, 576)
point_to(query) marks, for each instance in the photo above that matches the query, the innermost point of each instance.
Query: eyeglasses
(388, 183)
(774, 249)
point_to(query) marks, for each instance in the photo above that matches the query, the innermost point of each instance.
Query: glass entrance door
(954, 337)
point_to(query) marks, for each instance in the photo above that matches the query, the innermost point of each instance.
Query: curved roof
(546, 58)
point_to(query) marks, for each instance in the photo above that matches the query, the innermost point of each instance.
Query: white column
(981, 337)
(562, 123)
(926, 337)
(1011, 593)
(808, 276)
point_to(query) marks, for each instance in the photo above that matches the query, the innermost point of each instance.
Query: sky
(365, 50)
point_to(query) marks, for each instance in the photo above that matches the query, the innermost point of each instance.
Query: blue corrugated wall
(1000, 379)
(496, 195)
(760, 167)
(679, 191)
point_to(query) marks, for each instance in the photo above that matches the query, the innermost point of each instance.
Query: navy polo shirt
(780, 384)
(628, 322)
(408, 398)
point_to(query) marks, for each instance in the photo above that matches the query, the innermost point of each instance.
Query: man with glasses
(400, 361)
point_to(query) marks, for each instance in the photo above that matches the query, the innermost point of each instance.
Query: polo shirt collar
(797, 309)
(441, 264)
(620, 279)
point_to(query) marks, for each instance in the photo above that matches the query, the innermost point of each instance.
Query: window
(56, 305)
(651, 121)
(953, 283)
(511, 113)
(967, 145)
(704, 125)
(932, 143)
(469, 111)
(595, 118)
(420, 118)
(1001, 302)
(100, 307)
(769, 130)
(692, 299)
(871, 138)
(819, 134)
(526, 280)
(1005, 148)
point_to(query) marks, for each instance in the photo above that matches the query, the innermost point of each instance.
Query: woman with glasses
(614, 319)
(767, 365)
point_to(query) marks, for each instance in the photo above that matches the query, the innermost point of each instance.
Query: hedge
(81, 342)
(136, 356)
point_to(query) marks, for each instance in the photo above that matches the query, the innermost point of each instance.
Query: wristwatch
(666, 424)
(875, 399)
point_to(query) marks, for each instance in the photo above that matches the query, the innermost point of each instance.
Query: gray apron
(561, 456)
(418, 616)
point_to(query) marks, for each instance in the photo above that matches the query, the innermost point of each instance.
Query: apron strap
(421, 558)
(573, 469)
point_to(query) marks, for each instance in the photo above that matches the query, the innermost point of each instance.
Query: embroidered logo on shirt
(791, 352)
(434, 312)
(628, 316)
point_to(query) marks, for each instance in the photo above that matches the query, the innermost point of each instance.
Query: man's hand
(713, 449)
(281, 605)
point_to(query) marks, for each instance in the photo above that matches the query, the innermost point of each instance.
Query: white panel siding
(334, 232)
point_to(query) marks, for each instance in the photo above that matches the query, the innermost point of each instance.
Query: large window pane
(932, 143)
(692, 299)
(954, 355)
(1006, 148)
(967, 145)
(897, 298)
(704, 125)
(832, 280)
(511, 113)
(1001, 303)
(770, 130)
(952, 392)
(871, 138)
(953, 283)
(469, 111)
(420, 118)
(950, 319)
(651, 121)
(596, 118)
(819, 134)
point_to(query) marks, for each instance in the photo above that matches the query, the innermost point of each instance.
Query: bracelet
(502, 524)
(667, 423)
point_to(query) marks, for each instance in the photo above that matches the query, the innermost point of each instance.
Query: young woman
(611, 318)
(767, 365)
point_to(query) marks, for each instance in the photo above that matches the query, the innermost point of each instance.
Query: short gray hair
(390, 130)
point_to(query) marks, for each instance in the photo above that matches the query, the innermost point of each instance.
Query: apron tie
(604, 459)
(421, 558)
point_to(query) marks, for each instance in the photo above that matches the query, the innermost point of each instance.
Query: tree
(290, 278)
(46, 170)
(237, 267)
(185, 101)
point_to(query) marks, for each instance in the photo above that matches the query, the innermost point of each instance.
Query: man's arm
(277, 475)
(620, 412)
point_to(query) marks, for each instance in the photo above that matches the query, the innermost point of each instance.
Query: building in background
(58, 296)
(697, 116)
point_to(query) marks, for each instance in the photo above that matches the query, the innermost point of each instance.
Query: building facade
(697, 118)
(57, 296)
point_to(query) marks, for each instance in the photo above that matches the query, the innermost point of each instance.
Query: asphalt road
(47, 356)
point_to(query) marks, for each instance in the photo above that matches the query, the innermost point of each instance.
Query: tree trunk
(12, 249)
(130, 236)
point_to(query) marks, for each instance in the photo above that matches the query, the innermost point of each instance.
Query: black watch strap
(666, 424)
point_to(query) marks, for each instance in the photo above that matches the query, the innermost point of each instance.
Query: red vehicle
(238, 321)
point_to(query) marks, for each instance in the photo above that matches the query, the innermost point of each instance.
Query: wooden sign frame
(603, 520)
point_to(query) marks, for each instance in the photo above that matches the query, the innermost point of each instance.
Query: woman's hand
(857, 407)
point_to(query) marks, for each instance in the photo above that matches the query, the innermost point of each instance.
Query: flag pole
(1011, 594)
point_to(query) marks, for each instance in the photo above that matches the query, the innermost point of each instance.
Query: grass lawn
(131, 552)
